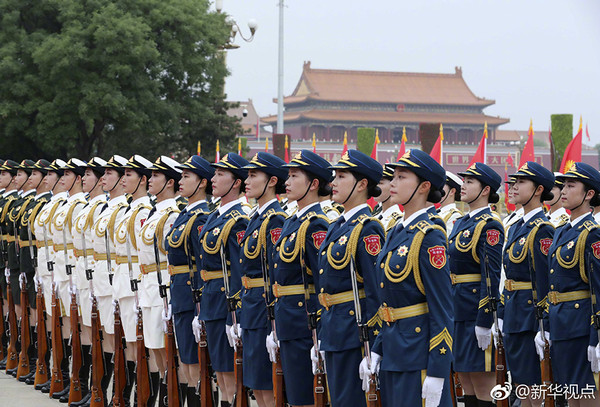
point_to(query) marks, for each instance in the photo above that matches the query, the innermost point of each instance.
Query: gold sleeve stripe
(483, 302)
(439, 338)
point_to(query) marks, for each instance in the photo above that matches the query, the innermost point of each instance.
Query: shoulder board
(313, 215)
(589, 225)
(198, 211)
(272, 212)
(237, 215)
(362, 219)
(539, 222)
(396, 215)
(433, 216)
(485, 217)
(328, 209)
(422, 225)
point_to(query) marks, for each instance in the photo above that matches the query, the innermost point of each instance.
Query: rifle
(2, 316)
(501, 375)
(320, 380)
(204, 386)
(142, 369)
(241, 397)
(373, 396)
(545, 363)
(76, 351)
(41, 369)
(23, 368)
(98, 368)
(11, 357)
(173, 396)
(278, 383)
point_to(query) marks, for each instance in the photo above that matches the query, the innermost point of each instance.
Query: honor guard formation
(131, 282)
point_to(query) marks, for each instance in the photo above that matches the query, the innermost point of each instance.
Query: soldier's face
(222, 182)
(21, 179)
(157, 182)
(255, 183)
(522, 190)
(90, 180)
(34, 179)
(67, 179)
(573, 194)
(110, 179)
(5, 179)
(471, 187)
(131, 181)
(403, 185)
(188, 183)
(342, 186)
(296, 184)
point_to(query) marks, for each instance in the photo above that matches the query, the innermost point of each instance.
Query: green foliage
(365, 140)
(562, 134)
(112, 76)
(245, 147)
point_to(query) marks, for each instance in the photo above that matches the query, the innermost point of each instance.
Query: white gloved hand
(72, 289)
(38, 282)
(272, 347)
(484, 337)
(432, 391)
(497, 330)
(114, 305)
(166, 316)
(236, 335)
(228, 333)
(591, 351)
(540, 343)
(196, 329)
(364, 373)
(315, 358)
(7, 275)
(22, 278)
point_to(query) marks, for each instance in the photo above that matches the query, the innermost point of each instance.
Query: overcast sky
(533, 57)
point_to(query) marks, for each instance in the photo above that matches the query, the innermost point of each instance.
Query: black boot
(193, 399)
(64, 367)
(154, 384)
(108, 371)
(162, 394)
(470, 400)
(485, 403)
(84, 374)
(225, 404)
(32, 355)
(130, 382)
(182, 392)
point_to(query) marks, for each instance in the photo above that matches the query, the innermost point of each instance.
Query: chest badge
(292, 237)
(216, 231)
(343, 240)
(255, 234)
(402, 250)
(570, 245)
(466, 233)
(522, 241)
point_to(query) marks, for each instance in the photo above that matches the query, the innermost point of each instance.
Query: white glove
(196, 329)
(539, 343)
(38, 282)
(166, 316)
(497, 330)
(236, 335)
(272, 347)
(72, 289)
(432, 391)
(7, 275)
(228, 333)
(315, 358)
(114, 305)
(22, 278)
(484, 337)
(597, 351)
(365, 370)
(591, 351)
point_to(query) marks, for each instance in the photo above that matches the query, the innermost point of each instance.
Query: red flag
(587, 133)
(510, 160)
(573, 151)
(436, 151)
(509, 207)
(481, 153)
(402, 145)
(345, 142)
(528, 154)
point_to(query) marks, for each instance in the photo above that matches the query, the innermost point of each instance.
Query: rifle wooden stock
(120, 371)
(2, 355)
(458, 385)
(23, 368)
(320, 385)
(547, 379)
(76, 352)
(206, 393)
(57, 383)
(142, 369)
(241, 396)
(173, 397)
(278, 383)
(97, 399)
(373, 396)
(12, 359)
(41, 369)
(501, 376)
(453, 389)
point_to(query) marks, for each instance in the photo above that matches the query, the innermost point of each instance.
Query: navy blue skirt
(186, 342)
(297, 370)
(345, 386)
(221, 354)
(522, 358)
(468, 357)
(403, 389)
(572, 367)
(258, 369)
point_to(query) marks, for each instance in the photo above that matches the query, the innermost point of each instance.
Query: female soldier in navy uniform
(183, 236)
(474, 237)
(302, 235)
(526, 261)
(351, 246)
(266, 178)
(414, 346)
(225, 229)
(574, 259)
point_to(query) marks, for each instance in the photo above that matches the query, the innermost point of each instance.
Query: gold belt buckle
(386, 314)
(276, 290)
(453, 278)
(324, 300)
(508, 284)
(553, 297)
(246, 282)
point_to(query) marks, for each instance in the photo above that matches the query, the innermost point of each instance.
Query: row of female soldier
(401, 305)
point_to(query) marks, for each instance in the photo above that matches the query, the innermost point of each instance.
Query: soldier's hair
(373, 189)
(595, 201)
(324, 188)
(493, 197)
(280, 187)
(435, 195)
(457, 194)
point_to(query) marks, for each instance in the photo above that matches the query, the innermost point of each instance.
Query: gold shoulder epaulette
(589, 225)
(237, 215)
(422, 225)
(272, 212)
(362, 219)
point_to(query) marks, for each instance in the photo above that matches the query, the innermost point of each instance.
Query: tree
(112, 76)
(562, 134)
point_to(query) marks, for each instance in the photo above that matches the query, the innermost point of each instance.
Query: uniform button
(263, 295)
(222, 288)
(576, 305)
(552, 254)
(351, 312)
(189, 283)
(552, 286)
(508, 297)
(277, 249)
(240, 261)
(322, 290)
(385, 304)
(418, 329)
(381, 285)
(551, 271)
(323, 253)
(275, 266)
(529, 301)
(321, 271)
(300, 303)
(381, 265)
(200, 256)
(474, 290)
(450, 241)
(337, 253)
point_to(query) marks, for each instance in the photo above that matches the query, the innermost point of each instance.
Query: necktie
(152, 211)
